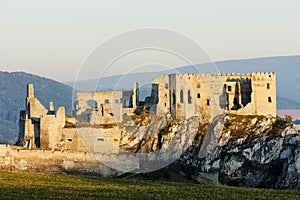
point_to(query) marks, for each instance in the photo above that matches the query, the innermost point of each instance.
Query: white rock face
(258, 157)
(159, 143)
(240, 151)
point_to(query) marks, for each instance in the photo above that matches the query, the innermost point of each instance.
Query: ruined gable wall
(81, 103)
(35, 108)
(72, 141)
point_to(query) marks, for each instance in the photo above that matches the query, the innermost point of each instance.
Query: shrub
(282, 122)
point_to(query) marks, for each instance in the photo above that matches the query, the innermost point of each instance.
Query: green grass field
(21, 185)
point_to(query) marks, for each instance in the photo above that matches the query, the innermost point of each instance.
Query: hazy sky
(53, 38)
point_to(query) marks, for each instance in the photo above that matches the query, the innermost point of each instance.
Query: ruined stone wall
(189, 95)
(109, 107)
(99, 140)
(35, 108)
(28, 133)
(81, 105)
(47, 131)
(60, 116)
(71, 141)
(47, 161)
(51, 127)
(163, 94)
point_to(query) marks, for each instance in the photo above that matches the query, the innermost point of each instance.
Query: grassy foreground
(21, 185)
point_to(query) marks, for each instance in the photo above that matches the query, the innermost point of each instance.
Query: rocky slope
(233, 150)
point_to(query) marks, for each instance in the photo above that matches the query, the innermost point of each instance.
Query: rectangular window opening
(181, 96)
(269, 99)
(189, 97)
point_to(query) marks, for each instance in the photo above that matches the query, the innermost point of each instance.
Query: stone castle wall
(105, 107)
(47, 161)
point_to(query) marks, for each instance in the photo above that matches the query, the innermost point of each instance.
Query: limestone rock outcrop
(244, 151)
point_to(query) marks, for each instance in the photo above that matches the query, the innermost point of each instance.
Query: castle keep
(180, 96)
(208, 95)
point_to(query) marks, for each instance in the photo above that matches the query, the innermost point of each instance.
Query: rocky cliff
(244, 151)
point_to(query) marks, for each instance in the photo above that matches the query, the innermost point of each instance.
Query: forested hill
(13, 88)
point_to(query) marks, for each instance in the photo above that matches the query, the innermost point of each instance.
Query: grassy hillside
(13, 93)
(17, 185)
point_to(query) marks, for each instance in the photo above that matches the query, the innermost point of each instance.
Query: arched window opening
(92, 103)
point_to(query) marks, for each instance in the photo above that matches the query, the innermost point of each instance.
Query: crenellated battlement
(269, 76)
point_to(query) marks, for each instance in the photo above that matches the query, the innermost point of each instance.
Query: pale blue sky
(52, 38)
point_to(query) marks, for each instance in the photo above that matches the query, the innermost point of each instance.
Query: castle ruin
(180, 96)
(208, 95)
(184, 96)
(36, 119)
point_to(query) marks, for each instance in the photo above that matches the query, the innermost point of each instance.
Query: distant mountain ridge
(13, 94)
(286, 68)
